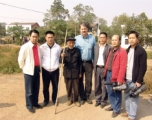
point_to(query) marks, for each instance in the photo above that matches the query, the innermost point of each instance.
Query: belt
(36, 66)
(86, 60)
(100, 66)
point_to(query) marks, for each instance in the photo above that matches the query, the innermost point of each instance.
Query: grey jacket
(96, 55)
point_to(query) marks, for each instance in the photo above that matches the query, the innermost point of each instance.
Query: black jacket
(72, 63)
(139, 64)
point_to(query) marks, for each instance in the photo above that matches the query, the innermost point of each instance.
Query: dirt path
(12, 105)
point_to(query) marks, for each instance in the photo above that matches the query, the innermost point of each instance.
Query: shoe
(125, 114)
(130, 119)
(82, 102)
(31, 110)
(45, 104)
(89, 100)
(102, 106)
(97, 104)
(38, 106)
(115, 114)
(69, 102)
(77, 104)
(150, 101)
(109, 109)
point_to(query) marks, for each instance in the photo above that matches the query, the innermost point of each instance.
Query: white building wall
(123, 44)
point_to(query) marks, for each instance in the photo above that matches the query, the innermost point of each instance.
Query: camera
(116, 87)
(135, 91)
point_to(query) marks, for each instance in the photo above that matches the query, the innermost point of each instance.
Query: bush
(8, 60)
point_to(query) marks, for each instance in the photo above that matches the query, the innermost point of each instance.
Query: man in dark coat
(72, 71)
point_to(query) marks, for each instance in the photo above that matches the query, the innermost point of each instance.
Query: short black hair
(133, 32)
(84, 24)
(103, 33)
(49, 32)
(33, 31)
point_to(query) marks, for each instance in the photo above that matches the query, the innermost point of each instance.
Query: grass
(8, 59)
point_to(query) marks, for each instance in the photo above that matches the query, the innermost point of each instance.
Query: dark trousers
(32, 85)
(86, 91)
(115, 97)
(100, 88)
(72, 87)
(54, 78)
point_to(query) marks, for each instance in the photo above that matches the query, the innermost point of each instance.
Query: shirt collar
(103, 45)
(46, 45)
(85, 37)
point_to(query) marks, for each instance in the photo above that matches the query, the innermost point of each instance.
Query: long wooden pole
(61, 71)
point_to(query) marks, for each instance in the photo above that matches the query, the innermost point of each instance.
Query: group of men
(81, 57)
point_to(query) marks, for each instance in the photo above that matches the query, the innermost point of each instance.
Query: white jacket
(26, 58)
(50, 57)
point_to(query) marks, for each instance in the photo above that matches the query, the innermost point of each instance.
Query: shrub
(8, 59)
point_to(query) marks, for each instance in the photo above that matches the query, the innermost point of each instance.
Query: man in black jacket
(136, 69)
(72, 71)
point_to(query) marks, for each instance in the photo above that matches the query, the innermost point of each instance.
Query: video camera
(135, 91)
(115, 86)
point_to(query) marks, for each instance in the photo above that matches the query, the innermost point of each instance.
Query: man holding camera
(115, 70)
(136, 68)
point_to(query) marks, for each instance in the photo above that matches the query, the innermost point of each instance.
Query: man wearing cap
(50, 55)
(85, 43)
(72, 71)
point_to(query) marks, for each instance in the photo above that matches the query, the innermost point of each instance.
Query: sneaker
(150, 101)
(115, 114)
(77, 104)
(125, 114)
(69, 102)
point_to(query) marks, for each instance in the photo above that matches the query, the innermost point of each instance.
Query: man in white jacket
(50, 54)
(29, 61)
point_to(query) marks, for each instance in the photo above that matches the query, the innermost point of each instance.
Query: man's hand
(138, 84)
(62, 55)
(80, 75)
(119, 83)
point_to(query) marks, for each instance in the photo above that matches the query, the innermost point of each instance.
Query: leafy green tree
(2, 29)
(56, 12)
(84, 14)
(17, 32)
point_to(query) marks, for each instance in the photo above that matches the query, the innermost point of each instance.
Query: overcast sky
(106, 9)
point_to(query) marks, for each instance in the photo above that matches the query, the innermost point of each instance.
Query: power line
(21, 8)
(19, 18)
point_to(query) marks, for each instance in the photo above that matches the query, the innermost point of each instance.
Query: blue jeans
(113, 96)
(130, 102)
(32, 83)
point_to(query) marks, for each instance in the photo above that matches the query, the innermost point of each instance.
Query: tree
(84, 14)
(104, 27)
(56, 12)
(17, 32)
(117, 22)
(2, 29)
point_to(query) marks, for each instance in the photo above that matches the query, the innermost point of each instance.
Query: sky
(106, 9)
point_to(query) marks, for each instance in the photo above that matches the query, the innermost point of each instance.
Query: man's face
(71, 44)
(115, 41)
(102, 39)
(49, 39)
(133, 40)
(34, 38)
(83, 30)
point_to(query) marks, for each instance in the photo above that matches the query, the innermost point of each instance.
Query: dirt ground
(12, 104)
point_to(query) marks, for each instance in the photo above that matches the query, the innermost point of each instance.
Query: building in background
(29, 26)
